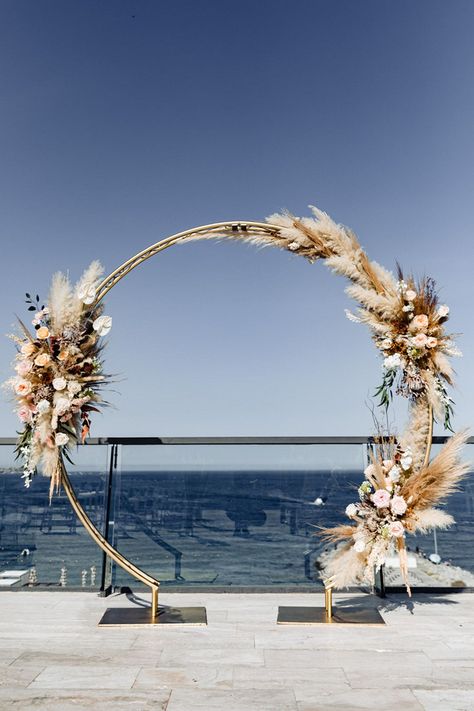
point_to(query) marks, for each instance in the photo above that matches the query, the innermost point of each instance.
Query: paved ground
(54, 657)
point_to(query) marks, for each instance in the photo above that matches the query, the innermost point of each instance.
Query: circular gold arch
(240, 230)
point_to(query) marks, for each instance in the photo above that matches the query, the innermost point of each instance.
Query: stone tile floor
(53, 656)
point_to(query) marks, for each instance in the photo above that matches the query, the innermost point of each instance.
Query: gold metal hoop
(240, 230)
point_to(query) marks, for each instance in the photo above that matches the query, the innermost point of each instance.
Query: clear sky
(124, 121)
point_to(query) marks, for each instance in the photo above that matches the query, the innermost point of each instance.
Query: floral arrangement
(394, 499)
(59, 372)
(407, 325)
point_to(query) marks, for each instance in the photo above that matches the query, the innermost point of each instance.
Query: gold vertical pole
(154, 602)
(328, 603)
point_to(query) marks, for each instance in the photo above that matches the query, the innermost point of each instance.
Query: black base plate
(130, 616)
(340, 616)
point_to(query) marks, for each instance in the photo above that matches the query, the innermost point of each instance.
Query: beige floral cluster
(59, 373)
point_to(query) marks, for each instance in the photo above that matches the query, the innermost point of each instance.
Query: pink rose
(420, 322)
(420, 340)
(431, 342)
(24, 367)
(381, 498)
(396, 529)
(398, 505)
(24, 413)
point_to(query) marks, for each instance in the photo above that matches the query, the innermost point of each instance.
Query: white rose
(392, 362)
(386, 343)
(443, 310)
(59, 383)
(410, 295)
(359, 546)
(102, 325)
(74, 387)
(395, 473)
(61, 405)
(406, 462)
(351, 510)
(61, 439)
(86, 293)
(43, 406)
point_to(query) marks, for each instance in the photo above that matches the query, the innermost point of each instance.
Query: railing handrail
(277, 440)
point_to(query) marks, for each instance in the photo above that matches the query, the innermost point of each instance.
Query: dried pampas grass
(432, 484)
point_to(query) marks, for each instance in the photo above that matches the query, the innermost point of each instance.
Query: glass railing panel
(231, 515)
(44, 544)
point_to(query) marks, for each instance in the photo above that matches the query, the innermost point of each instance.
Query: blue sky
(123, 122)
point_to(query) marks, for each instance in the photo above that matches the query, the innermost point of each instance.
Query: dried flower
(443, 310)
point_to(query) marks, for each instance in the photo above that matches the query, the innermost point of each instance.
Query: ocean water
(187, 528)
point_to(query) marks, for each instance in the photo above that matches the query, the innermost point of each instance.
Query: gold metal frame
(197, 616)
(240, 230)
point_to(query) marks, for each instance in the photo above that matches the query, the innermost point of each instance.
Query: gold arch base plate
(139, 616)
(303, 615)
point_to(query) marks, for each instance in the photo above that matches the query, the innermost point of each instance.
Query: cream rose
(59, 383)
(386, 343)
(431, 342)
(420, 322)
(42, 359)
(42, 333)
(410, 295)
(61, 439)
(28, 349)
